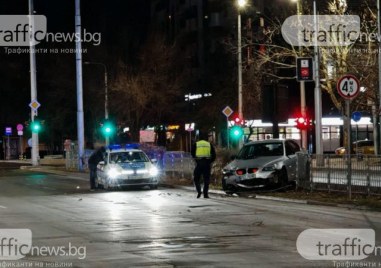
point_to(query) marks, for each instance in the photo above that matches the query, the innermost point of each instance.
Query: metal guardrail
(351, 174)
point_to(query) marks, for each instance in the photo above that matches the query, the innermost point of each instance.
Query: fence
(351, 174)
(178, 164)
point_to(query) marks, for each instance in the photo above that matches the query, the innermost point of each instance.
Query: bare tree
(145, 95)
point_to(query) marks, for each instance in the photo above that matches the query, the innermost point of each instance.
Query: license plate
(250, 176)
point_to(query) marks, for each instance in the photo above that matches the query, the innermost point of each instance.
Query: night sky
(123, 25)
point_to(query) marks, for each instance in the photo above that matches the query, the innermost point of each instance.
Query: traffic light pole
(33, 85)
(317, 94)
(303, 110)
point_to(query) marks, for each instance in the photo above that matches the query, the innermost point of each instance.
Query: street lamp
(106, 89)
(241, 4)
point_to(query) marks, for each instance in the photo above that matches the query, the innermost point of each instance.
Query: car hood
(131, 165)
(256, 162)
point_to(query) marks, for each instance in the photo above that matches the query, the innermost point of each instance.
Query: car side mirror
(101, 163)
(154, 160)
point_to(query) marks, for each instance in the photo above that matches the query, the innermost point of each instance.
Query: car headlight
(113, 173)
(153, 171)
(269, 168)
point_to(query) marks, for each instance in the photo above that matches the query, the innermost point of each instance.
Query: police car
(126, 166)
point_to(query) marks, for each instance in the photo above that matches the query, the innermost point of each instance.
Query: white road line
(2, 207)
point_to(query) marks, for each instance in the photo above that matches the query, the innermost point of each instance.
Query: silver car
(261, 163)
(126, 167)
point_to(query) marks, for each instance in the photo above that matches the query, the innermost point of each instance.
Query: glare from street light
(241, 3)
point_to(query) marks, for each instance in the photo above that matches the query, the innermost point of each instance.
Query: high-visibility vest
(202, 149)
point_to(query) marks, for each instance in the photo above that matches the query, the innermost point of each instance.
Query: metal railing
(178, 164)
(351, 174)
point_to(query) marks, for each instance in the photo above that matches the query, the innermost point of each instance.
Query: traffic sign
(348, 86)
(189, 127)
(304, 69)
(356, 116)
(227, 111)
(34, 105)
(19, 127)
(8, 131)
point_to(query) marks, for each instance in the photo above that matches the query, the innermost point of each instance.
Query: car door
(291, 149)
(101, 173)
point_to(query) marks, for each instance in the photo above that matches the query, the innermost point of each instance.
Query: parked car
(126, 166)
(358, 147)
(262, 163)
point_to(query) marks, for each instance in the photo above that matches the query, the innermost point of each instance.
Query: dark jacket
(212, 152)
(96, 157)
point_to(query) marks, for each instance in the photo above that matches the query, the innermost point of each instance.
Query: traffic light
(302, 123)
(236, 132)
(238, 121)
(35, 126)
(108, 129)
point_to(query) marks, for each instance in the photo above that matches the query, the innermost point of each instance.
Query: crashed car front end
(245, 176)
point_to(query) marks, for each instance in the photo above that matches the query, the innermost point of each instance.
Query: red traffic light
(302, 123)
(238, 121)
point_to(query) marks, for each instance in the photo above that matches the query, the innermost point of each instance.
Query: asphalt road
(159, 228)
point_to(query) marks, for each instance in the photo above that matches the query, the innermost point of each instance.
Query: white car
(260, 164)
(126, 166)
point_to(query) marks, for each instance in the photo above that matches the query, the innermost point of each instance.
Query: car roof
(267, 141)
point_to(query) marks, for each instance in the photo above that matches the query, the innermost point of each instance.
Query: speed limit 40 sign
(348, 86)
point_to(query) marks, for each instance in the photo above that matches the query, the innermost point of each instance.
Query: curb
(289, 200)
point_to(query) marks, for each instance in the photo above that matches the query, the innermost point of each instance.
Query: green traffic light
(35, 126)
(108, 129)
(236, 132)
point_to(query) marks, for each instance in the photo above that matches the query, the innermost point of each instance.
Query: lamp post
(241, 4)
(106, 90)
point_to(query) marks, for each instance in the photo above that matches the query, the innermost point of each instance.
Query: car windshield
(261, 149)
(125, 157)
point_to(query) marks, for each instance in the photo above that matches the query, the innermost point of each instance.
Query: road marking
(2, 207)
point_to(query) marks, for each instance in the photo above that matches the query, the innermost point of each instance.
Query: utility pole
(33, 84)
(80, 117)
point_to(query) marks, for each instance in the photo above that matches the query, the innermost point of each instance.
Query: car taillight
(240, 172)
(252, 170)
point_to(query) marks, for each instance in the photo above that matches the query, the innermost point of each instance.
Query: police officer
(93, 161)
(204, 154)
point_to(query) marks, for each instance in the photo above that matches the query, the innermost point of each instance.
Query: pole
(377, 133)
(303, 110)
(33, 85)
(106, 101)
(227, 132)
(349, 148)
(80, 117)
(317, 93)
(240, 113)
(8, 148)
